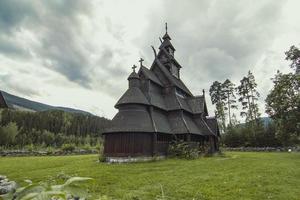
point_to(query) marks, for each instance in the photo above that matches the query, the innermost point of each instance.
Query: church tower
(166, 55)
(156, 109)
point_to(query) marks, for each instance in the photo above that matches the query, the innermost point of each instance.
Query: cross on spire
(134, 67)
(166, 27)
(141, 61)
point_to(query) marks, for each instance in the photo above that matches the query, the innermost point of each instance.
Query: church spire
(166, 44)
(133, 79)
(166, 36)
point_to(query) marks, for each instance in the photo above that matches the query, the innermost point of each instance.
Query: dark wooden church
(158, 108)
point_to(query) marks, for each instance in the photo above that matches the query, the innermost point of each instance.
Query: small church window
(179, 93)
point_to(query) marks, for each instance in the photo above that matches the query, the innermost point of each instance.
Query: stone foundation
(132, 159)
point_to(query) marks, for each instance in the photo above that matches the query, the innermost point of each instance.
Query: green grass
(236, 176)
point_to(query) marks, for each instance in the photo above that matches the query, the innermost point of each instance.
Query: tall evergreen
(293, 54)
(228, 89)
(248, 98)
(217, 98)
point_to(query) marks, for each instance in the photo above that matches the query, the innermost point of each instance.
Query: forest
(49, 128)
(282, 105)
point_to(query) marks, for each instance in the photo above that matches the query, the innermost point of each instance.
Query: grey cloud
(56, 25)
(13, 13)
(214, 39)
(61, 46)
(217, 40)
(10, 48)
(106, 63)
(9, 83)
(108, 72)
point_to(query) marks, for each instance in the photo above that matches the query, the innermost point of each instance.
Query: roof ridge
(171, 78)
(150, 75)
(152, 119)
(207, 126)
(170, 57)
(185, 124)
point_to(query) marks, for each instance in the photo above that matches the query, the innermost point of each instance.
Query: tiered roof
(162, 110)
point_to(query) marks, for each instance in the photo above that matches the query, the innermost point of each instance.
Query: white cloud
(79, 54)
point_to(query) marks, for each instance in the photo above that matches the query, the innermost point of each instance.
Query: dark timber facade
(158, 108)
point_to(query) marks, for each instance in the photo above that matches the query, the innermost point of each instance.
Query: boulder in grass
(2, 177)
(8, 187)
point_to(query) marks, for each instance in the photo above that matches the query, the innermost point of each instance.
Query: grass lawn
(238, 175)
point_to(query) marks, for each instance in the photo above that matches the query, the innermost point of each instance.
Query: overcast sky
(79, 53)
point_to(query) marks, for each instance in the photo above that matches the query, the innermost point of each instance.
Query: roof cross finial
(141, 61)
(133, 67)
(166, 27)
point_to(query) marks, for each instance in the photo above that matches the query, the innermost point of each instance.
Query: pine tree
(228, 90)
(217, 98)
(293, 54)
(248, 98)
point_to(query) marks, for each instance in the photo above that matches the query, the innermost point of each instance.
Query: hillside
(20, 103)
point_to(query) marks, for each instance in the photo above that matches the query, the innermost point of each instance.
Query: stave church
(158, 108)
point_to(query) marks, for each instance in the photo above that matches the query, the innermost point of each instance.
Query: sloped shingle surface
(150, 75)
(213, 125)
(133, 95)
(177, 123)
(196, 104)
(161, 122)
(131, 121)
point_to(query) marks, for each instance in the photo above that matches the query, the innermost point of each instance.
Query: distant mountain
(20, 103)
(266, 120)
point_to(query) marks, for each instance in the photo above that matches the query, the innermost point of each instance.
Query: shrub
(68, 147)
(87, 147)
(181, 149)
(50, 150)
(29, 147)
(101, 158)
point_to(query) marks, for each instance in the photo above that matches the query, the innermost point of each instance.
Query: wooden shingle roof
(213, 124)
(168, 105)
(150, 75)
(131, 121)
(176, 82)
(196, 104)
(133, 95)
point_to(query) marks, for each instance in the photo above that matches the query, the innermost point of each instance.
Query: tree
(283, 105)
(293, 54)
(248, 98)
(217, 98)
(228, 90)
(8, 134)
(47, 138)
